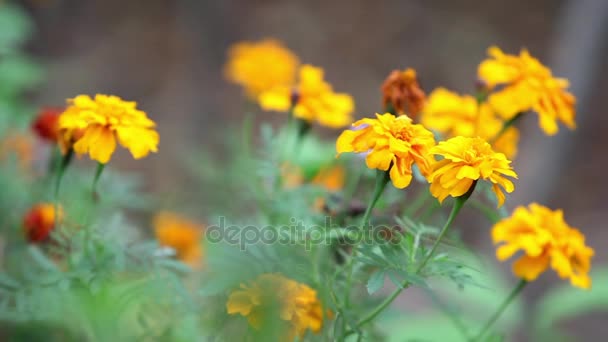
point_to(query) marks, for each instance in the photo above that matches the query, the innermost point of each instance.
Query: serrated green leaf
(375, 282)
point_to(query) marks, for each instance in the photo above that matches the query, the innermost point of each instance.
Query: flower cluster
(295, 304)
(454, 115)
(181, 235)
(545, 240)
(93, 125)
(465, 160)
(392, 144)
(524, 84)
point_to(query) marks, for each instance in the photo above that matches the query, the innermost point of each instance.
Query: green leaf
(15, 27)
(375, 282)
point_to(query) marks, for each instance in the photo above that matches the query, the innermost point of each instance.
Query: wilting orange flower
(393, 143)
(46, 124)
(527, 85)
(295, 304)
(180, 234)
(261, 66)
(39, 222)
(312, 99)
(402, 91)
(454, 115)
(466, 160)
(94, 124)
(545, 240)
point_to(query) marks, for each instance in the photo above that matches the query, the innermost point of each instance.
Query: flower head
(39, 222)
(393, 143)
(261, 66)
(527, 85)
(402, 91)
(180, 234)
(94, 124)
(46, 124)
(295, 304)
(545, 240)
(314, 98)
(466, 160)
(455, 115)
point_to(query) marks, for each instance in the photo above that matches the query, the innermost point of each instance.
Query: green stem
(520, 286)
(505, 126)
(61, 167)
(458, 204)
(98, 172)
(382, 178)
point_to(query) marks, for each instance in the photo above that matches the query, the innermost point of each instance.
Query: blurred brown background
(168, 56)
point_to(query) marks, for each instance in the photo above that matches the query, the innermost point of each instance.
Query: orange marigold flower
(39, 222)
(261, 66)
(46, 124)
(393, 143)
(402, 91)
(312, 99)
(94, 125)
(181, 235)
(546, 240)
(527, 85)
(455, 115)
(295, 304)
(330, 178)
(466, 160)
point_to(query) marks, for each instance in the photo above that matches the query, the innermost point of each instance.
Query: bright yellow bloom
(314, 100)
(296, 304)
(180, 234)
(545, 240)
(261, 66)
(467, 160)
(95, 124)
(528, 85)
(453, 115)
(393, 143)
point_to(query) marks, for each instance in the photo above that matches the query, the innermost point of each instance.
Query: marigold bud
(402, 91)
(46, 124)
(39, 222)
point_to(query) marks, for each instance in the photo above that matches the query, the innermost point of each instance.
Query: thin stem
(98, 172)
(506, 126)
(61, 167)
(458, 204)
(520, 286)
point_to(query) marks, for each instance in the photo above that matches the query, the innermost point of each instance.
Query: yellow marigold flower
(94, 124)
(402, 91)
(528, 85)
(454, 115)
(545, 240)
(180, 234)
(261, 66)
(295, 303)
(467, 160)
(313, 100)
(393, 143)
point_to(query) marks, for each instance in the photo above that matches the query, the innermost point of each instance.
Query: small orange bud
(39, 221)
(402, 91)
(46, 125)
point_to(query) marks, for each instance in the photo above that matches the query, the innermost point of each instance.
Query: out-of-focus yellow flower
(180, 234)
(39, 222)
(330, 178)
(94, 125)
(465, 161)
(455, 115)
(312, 98)
(393, 143)
(402, 91)
(527, 85)
(261, 66)
(545, 240)
(296, 304)
(21, 146)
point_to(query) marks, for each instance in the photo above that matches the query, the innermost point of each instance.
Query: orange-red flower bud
(402, 91)
(46, 125)
(39, 222)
